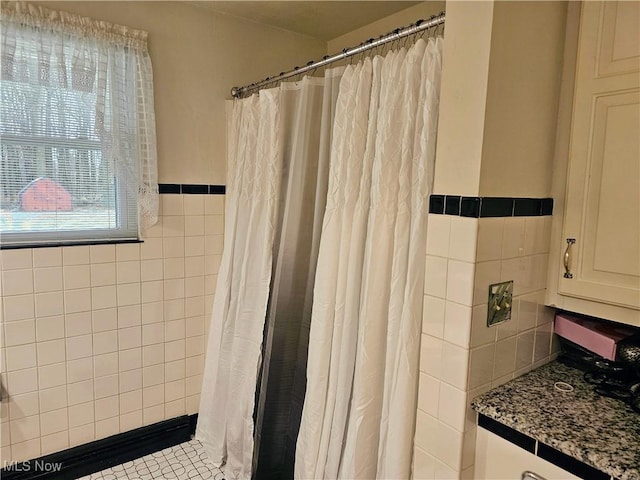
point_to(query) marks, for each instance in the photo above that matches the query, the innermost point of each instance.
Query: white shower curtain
(362, 373)
(275, 139)
(225, 425)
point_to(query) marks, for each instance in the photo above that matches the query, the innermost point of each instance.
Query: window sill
(68, 244)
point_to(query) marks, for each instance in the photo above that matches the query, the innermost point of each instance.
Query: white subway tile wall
(98, 340)
(460, 356)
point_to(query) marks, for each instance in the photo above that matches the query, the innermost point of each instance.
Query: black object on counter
(619, 379)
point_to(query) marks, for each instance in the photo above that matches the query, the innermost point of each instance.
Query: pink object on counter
(599, 337)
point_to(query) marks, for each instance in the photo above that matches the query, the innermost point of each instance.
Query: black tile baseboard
(482, 207)
(193, 423)
(189, 188)
(105, 453)
(550, 454)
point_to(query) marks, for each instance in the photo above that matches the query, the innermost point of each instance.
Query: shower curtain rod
(420, 25)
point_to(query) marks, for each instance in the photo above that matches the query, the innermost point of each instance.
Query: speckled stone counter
(601, 432)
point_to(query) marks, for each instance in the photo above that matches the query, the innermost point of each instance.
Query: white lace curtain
(97, 85)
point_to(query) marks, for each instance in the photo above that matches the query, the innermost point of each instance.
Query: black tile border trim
(470, 207)
(190, 188)
(497, 207)
(452, 205)
(570, 464)
(436, 204)
(483, 207)
(508, 433)
(94, 456)
(169, 188)
(550, 454)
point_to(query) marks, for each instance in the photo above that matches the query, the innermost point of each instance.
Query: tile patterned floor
(186, 461)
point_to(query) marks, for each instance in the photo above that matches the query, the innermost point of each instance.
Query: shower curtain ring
(381, 47)
(398, 38)
(345, 51)
(309, 63)
(368, 43)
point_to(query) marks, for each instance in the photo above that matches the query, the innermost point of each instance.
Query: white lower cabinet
(497, 459)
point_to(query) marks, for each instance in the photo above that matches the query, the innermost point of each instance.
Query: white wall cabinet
(497, 459)
(595, 263)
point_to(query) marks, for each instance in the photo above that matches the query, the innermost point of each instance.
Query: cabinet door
(603, 180)
(499, 459)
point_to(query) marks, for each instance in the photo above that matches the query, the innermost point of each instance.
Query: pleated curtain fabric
(225, 423)
(362, 373)
(279, 145)
(308, 110)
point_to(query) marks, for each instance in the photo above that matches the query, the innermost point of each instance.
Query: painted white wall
(402, 18)
(525, 69)
(498, 106)
(463, 96)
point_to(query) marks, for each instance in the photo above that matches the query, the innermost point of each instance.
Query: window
(77, 129)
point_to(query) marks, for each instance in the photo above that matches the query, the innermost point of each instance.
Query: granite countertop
(599, 431)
